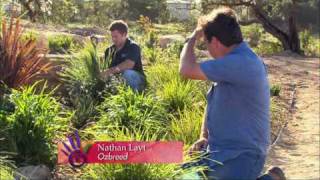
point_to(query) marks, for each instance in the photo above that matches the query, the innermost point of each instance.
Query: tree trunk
(293, 32)
(31, 13)
(290, 41)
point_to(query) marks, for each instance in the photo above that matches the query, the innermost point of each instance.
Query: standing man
(125, 56)
(236, 129)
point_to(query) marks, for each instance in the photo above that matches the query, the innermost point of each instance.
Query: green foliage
(186, 127)
(152, 8)
(134, 111)
(131, 171)
(262, 42)
(34, 125)
(30, 35)
(161, 73)
(6, 167)
(1, 13)
(84, 85)
(152, 39)
(60, 43)
(152, 55)
(174, 49)
(62, 11)
(275, 90)
(102, 12)
(176, 93)
(253, 34)
(310, 44)
(145, 24)
(268, 47)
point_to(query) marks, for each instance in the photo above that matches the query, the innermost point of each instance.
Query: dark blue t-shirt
(130, 50)
(238, 105)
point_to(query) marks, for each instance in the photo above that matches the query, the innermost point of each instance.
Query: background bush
(60, 43)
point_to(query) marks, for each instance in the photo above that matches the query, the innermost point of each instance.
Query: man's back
(238, 106)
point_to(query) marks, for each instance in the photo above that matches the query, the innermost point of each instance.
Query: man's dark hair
(119, 25)
(222, 23)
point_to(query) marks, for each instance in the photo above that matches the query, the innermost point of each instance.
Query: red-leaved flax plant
(20, 61)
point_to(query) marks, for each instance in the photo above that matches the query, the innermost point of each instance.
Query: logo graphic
(76, 157)
(77, 153)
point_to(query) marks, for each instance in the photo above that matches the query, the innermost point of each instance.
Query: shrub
(82, 73)
(174, 50)
(6, 167)
(34, 125)
(275, 90)
(268, 47)
(84, 85)
(60, 43)
(262, 42)
(175, 92)
(187, 126)
(30, 35)
(152, 55)
(20, 61)
(252, 34)
(152, 39)
(133, 110)
(310, 44)
(178, 94)
(161, 73)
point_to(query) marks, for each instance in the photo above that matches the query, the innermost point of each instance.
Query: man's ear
(217, 43)
(213, 42)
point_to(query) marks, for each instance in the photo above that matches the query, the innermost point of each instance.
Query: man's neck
(121, 45)
(227, 50)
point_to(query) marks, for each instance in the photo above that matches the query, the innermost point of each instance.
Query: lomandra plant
(133, 110)
(81, 75)
(6, 166)
(20, 61)
(186, 127)
(81, 78)
(60, 43)
(35, 123)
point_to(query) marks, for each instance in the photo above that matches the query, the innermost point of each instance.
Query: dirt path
(297, 151)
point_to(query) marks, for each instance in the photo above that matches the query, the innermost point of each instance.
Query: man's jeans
(134, 79)
(246, 166)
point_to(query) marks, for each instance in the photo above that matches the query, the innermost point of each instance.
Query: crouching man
(125, 56)
(236, 127)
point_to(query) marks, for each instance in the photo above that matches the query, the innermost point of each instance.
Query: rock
(165, 40)
(98, 38)
(40, 172)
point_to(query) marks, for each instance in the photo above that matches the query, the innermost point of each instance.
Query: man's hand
(200, 144)
(105, 74)
(197, 34)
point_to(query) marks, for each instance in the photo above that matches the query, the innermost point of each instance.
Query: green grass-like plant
(133, 110)
(60, 43)
(34, 125)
